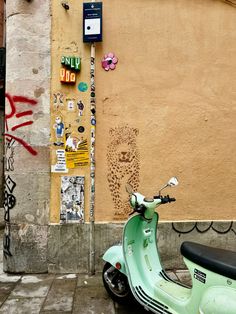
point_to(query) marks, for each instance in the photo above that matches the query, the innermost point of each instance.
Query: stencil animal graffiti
(14, 111)
(123, 166)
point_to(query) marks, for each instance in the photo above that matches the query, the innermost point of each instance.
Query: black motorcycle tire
(123, 297)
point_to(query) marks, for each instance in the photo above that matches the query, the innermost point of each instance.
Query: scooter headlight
(132, 200)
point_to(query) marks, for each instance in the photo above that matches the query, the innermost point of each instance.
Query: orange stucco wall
(167, 109)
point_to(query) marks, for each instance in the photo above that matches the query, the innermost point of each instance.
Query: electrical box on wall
(92, 21)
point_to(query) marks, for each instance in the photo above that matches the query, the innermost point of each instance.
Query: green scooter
(134, 269)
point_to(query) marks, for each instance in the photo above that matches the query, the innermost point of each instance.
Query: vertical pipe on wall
(92, 161)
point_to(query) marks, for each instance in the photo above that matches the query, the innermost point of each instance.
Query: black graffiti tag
(9, 155)
(9, 203)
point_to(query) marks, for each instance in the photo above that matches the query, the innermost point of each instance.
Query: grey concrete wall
(68, 248)
(68, 245)
(27, 152)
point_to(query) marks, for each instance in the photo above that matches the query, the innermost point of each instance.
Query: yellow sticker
(78, 158)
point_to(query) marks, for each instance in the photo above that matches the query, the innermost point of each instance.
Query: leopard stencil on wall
(123, 167)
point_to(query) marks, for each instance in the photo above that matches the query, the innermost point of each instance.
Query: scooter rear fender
(114, 255)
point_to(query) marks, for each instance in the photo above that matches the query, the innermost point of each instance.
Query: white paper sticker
(60, 166)
(92, 26)
(71, 105)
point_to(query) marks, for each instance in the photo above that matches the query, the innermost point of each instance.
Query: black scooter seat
(222, 262)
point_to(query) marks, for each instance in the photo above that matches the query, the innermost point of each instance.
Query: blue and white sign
(92, 21)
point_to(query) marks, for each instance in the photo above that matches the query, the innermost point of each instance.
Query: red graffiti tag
(13, 101)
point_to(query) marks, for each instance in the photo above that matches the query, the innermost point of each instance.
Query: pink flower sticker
(109, 61)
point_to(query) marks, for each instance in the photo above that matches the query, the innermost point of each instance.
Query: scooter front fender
(114, 255)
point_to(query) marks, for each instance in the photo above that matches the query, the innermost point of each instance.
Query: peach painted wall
(169, 107)
(175, 83)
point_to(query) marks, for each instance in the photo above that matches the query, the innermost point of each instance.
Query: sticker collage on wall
(72, 199)
(68, 135)
(70, 144)
(71, 148)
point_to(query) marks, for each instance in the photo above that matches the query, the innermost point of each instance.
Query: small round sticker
(81, 129)
(82, 87)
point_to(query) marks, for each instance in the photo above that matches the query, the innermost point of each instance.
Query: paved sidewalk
(51, 294)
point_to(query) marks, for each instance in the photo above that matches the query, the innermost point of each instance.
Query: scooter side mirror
(173, 182)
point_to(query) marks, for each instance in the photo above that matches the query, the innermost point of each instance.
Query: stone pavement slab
(23, 294)
(5, 290)
(33, 286)
(91, 296)
(22, 306)
(61, 294)
(92, 300)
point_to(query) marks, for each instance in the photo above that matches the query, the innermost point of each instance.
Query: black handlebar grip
(167, 199)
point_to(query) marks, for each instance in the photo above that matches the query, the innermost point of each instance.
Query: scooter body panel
(214, 293)
(218, 300)
(143, 265)
(154, 290)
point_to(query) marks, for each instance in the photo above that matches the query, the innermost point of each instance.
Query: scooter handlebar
(167, 199)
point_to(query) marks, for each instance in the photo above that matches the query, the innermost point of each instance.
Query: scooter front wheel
(116, 284)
